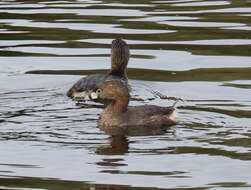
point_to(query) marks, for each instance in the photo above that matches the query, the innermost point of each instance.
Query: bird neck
(118, 71)
(118, 106)
(119, 60)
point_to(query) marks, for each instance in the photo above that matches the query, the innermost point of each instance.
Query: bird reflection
(118, 145)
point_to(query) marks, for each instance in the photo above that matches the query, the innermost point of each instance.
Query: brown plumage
(118, 116)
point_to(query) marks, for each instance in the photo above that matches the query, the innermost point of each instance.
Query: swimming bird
(119, 59)
(118, 117)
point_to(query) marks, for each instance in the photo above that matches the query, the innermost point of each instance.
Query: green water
(194, 50)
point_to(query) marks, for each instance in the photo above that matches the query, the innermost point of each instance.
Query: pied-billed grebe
(117, 115)
(119, 59)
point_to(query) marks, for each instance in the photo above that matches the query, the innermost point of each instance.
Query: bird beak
(94, 96)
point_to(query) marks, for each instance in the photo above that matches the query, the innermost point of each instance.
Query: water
(195, 50)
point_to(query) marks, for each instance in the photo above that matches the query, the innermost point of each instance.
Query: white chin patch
(173, 115)
(94, 95)
(87, 97)
(81, 96)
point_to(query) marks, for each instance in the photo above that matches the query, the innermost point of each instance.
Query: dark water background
(196, 50)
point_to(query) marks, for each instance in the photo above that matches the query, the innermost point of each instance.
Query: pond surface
(195, 50)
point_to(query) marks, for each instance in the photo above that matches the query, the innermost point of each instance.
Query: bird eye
(98, 91)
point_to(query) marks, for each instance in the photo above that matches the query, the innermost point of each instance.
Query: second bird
(119, 59)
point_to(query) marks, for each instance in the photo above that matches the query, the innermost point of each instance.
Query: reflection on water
(194, 50)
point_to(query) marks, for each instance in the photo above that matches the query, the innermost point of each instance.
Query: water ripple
(197, 51)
